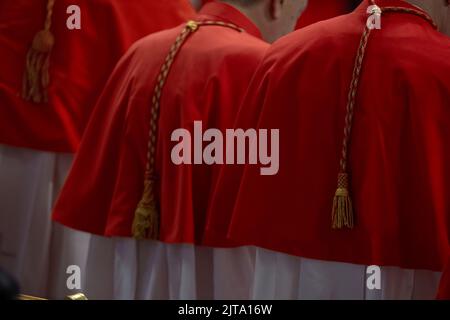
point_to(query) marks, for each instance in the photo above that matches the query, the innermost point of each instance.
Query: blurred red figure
(319, 10)
(56, 56)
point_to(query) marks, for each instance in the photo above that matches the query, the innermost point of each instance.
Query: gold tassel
(146, 216)
(77, 296)
(36, 77)
(342, 215)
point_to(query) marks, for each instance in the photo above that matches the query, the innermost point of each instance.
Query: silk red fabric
(80, 63)
(318, 10)
(399, 154)
(206, 83)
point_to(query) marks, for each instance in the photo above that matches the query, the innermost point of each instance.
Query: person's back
(396, 151)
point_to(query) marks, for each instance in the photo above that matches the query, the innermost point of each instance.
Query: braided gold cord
(48, 18)
(342, 212)
(146, 217)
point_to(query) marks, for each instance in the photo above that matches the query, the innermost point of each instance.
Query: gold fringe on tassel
(146, 216)
(342, 215)
(36, 77)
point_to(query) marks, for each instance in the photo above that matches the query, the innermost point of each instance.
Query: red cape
(80, 63)
(399, 154)
(206, 83)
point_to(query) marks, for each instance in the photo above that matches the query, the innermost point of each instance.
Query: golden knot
(192, 25)
(44, 41)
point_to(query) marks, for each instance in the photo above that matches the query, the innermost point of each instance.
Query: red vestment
(80, 63)
(399, 155)
(206, 83)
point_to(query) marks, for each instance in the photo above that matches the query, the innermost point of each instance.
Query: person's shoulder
(328, 39)
(154, 41)
(335, 32)
(227, 48)
(149, 50)
(232, 41)
(246, 46)
(421, 51)
(398, 46)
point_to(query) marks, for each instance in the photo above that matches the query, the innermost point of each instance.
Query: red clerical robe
(80, 62)
(399, 155)
(318, 10)
(206, 83)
